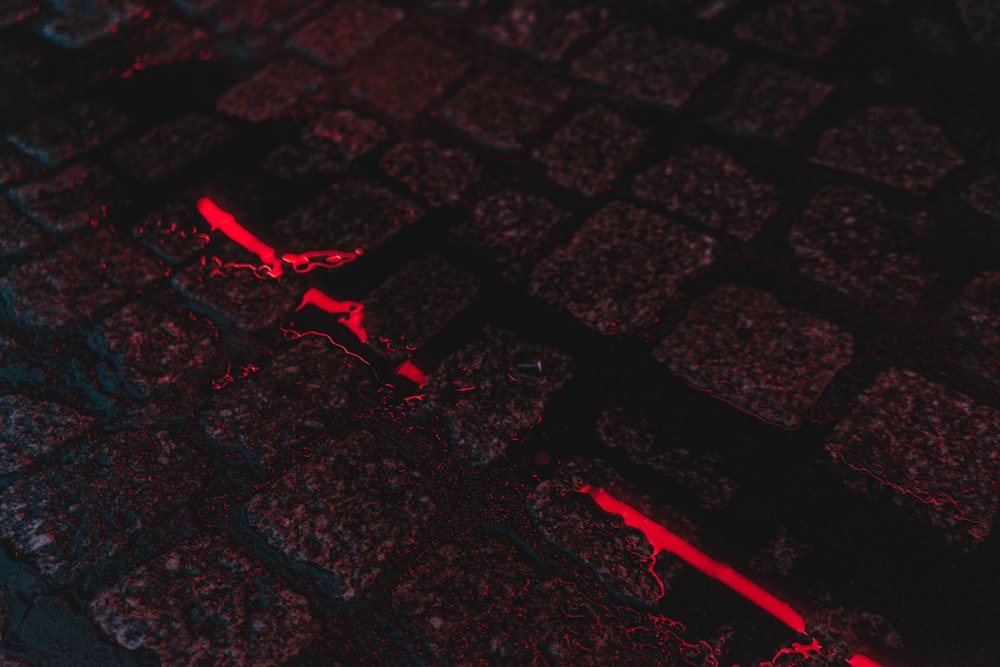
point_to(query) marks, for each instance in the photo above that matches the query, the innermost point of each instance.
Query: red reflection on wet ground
(409, 370)
(352, 309)
(862, 661)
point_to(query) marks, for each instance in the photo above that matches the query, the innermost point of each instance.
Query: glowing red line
(862, 661)
(352, 309)
(409, 370)
(227, 224)
(664, 540)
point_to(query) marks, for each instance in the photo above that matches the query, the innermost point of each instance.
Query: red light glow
(409, 370)
(352, 309)
(862, 661)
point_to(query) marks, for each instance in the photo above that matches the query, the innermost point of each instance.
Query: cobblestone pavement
(469, 332)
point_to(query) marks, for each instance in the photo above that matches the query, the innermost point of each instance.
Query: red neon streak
(305, 262)
(352, 309)
(862, 661)
(799, 649)
(409, 370)
(663, 540)
(226, 223)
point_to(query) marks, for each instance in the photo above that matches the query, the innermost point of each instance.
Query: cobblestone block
(292, 405)
(331, 511)
(407, 76)
(70, 200)
(32, 428)
(176, 232)
(327, 146)
(70, 133)
(493, 392)
(634, 61)
(16, 233)
(206, 602)
(975, 318)
(892, 145)
(511, 226)
(984, 196)
(921, 440)
(163, 41)
(502, 105)
(272, 92)
(251, 19)
(415, 303)
(621, 267)
(171, 147)
(351, 214)
(708, 185)
(545, 30)
(801, 28)
(88, 276)
(590, 151)
(440, 175)
(745, 348)
(771, 101)
(847, 239)
(337, 36)
(81, 22)
(73, 517)
(16, 167)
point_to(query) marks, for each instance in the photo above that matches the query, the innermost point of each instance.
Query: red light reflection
(352, 309)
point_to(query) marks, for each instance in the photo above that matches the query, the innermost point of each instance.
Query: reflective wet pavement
(499, 332)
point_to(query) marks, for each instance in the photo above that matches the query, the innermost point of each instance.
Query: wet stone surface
(621, 268)
(973, 318)
(438, 174)
(171, 147)
(272, 92)
(16, 232)
(744, 347)
(511, 226)
(176, 232)
(327, 146)
(892, 145)
(205, 602)
(543, 30)
(69, 200)
(801, 28)
(31, 429)
(710, 186)
(338, 36)
(921, 440)
(72, 132)
(848, 239)
(15, 166)
(984, 196)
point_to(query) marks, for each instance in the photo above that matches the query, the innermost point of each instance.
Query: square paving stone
(493, 392)
(849, 240)
(350, 214)
(707, 184)
(440, 175)
(171, 147)
(407, 76)
(175, 232)
(69, 133)
(502, 105)
(801, 28)
(206, 602)
(543, 29)
(589, 152)
(31, 428)
(622, 267)
(327, 146)
(69, 200)
(770, 100)
(337, 36)
(892, 145)
(87, 276)
(82, 22)
(935, 445)
(974, 317)
(16, 232)
(254, 18)
(633, 60)
(348, 510)
(511, 226)
(745, 348)
(272, 92)
(984, 196)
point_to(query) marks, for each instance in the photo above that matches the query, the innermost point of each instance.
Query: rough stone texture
(415, 303)
(206, 603)
(502, 105)
(770, 100)
(289, 406)
(327, 146)
(351, 214)
(69, 133)
(633, 60)
(32, 428)
(544, 30)
(81, 22)
(849, 240)
(15, 166)
(589, 152)
(254, 17)
(493, 392)
(163, 41)
(70, 200)
(713, 488)
(621, 267)
(337, 36)
(708, 185)
(745, 348)
(984, 196)
(892, 145)
(407, 76)
(801, 28)
(171, 147)
(511, 226)
(974, 318)
(86, 277)
(922, 440)
(272, 92)
(70, 518)
(16, 232)
(175, 232)
(348, 510)
(780, 555)
(440, 175)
